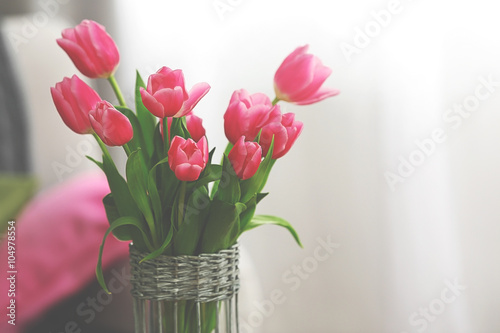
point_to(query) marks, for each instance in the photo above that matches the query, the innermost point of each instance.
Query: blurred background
(393, 185)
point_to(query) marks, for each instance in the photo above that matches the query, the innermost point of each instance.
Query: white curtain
(393, 186)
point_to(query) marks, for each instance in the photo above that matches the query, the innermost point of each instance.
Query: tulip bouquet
(174, 199)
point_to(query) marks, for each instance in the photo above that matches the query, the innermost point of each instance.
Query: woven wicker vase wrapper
(186, 294)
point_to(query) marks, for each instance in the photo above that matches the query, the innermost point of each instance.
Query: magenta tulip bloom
(300, 77)
(74, 99)
(247, 114)
(91, 49)
(112, 126)
(245, 158)
(188, 158)
(285, 133)
(166, 95)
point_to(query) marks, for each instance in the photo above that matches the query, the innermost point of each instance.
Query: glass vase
(185, 294)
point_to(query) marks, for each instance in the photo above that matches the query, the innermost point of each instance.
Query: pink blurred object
(300, 77)
(57, 242)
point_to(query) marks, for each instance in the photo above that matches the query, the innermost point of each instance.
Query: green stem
(127, 149)
(275, 101)
(103, 147)
(116, 89)
(166, 136)
(180, 207)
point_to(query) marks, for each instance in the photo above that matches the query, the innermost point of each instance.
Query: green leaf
(122, 221)
(195, 214)
(146, 119)
(247, 215)
(137, 177)
(261, 196)
(179, 128)
(99, 164)
(154, 195)
(211, 173)
(229, 185)
(125, 204)
(125, 232)
(259, 220)
(162, 248)
(137, 140)
(222, 227)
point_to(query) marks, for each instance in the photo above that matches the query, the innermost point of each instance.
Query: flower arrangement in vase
(174, 199)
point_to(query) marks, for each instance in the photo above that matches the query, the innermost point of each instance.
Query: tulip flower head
(247, 114)
(91, 49)
(300, 77)
(284, 132)
(166, 95)
(245, 158)
(74, 99)
(112, 126)
(188, 158)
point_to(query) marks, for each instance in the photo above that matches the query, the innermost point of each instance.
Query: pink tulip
(285, 133)
(247, 114)
(112, 126)
(300, 77)
(166, 95)
(188, 158)
(74, 99)
(245, 158)
(91, 49)
(194, 125)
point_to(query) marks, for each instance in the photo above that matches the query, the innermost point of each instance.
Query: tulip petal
(152, 104)
(78, 56)
(319, 96)
(171, 99)
(188, 172)
(195, 95)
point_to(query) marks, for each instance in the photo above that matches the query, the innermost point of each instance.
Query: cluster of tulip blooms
(165, 204)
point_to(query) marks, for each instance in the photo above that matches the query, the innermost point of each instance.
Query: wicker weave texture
(203, 278)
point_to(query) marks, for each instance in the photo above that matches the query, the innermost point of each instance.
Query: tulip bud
(112, 126)
(166, 95)
(91, 49)
(74, 99)
(245, 158)
(300, 77)
(247, 114)
(285, 133)
(187, 158)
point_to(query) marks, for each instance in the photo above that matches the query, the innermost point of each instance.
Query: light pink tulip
(74, 99)
(91, 49)
(112, 126)
(187, 158)
(285, 133)
(166, 95)
(300, 77)
(247, 114)
(245, 158)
